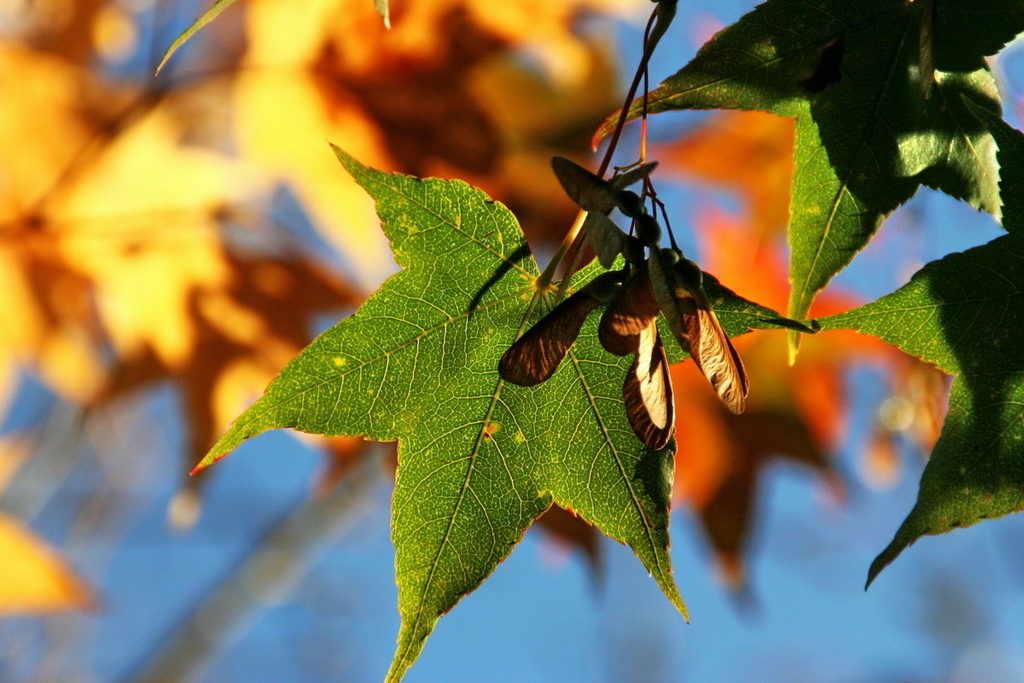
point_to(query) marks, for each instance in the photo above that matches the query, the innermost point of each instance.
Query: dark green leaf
(867, 136)
(1011, 165)
(763, 60)
(966, 31)
(965, 314)
(953, 153)
(865, 144)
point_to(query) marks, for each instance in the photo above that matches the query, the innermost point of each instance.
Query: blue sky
(947, 610)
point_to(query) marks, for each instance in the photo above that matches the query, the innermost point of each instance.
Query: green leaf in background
(1011, 166)
(478, 459)
(867, 134)
(965, 314)
(966, 31)
(208, 16)
(862, 150)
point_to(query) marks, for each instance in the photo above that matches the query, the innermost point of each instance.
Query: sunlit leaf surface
(479, 459)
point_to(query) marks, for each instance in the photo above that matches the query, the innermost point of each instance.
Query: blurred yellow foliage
(444, 92)
(32, 578)
(142, 227)
(41, 131)
(139, 242)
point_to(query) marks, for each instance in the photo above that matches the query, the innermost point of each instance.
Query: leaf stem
(544, 281)
(659, 22)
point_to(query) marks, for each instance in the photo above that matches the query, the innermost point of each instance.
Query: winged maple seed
(664, 282)
(678, 288)
(628, 325)
(535, 356)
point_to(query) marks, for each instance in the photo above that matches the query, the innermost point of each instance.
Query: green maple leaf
(478, 459)
(965, 314)
(867, 133)
(1011, 166)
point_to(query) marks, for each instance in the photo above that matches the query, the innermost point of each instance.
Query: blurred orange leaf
(389, 98)
(113, 236)
(750, 152)
(342, 454)
(33, 580)
(569, 529)
(244, 332)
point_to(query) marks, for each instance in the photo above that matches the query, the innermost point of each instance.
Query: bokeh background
(168, 243)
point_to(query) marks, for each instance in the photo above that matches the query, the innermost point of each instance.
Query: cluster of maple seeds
(652, 280)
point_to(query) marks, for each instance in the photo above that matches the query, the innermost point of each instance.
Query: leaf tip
(210, 14)
(677, 601)
(876, 568)
(342, 155)
(384, 9)
(210, 458)
(178, 42)
(602, 132)
(891, 552)
(671, 591)
(794, 346)
(347, 160)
